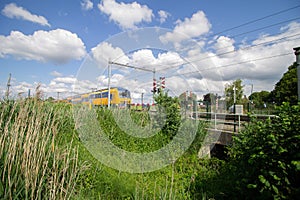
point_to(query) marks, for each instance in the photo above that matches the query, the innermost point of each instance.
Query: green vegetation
(286, 88)
(263, 102)
(234, 90)
(263, 163)
(42, 156)
(32, 164)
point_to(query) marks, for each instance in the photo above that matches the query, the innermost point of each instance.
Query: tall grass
(32, 165)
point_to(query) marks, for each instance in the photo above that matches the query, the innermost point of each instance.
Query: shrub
(265, 157)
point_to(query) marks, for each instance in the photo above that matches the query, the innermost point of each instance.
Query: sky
(197, 45)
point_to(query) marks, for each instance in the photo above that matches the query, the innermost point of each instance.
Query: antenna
(8, 86)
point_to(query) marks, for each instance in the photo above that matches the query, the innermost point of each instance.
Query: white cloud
(87, 5)
(163, 15)
(259, 65)
(104, 52)
(127, 16)
(55, 73)
(68, 80)
(145, 58)
(192, 27)
(57, 46)
(224, 45)
(13, 11)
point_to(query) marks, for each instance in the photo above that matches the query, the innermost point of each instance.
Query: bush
(265, 157)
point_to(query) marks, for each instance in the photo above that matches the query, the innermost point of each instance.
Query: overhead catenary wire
(255, 20)
(238, 63)
(235, 50)
(254, 30)
(244, 24)
(252, 40)
(241, 25)
(258, 29)
(275, 41)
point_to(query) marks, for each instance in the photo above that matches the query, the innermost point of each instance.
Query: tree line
(285, 90)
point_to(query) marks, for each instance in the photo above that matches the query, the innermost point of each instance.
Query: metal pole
(109, 77)
(297, 53)
(234, 111)
(250, 99)
(154, 80)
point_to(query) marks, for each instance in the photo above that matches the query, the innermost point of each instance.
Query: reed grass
(32, 165)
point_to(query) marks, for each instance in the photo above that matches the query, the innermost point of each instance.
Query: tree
(265, 160)
(168, 107)
(229, 92)
(211, 98)
(286, 88)
(259, 98)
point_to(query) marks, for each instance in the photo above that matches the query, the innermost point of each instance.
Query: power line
(255, 20)
(239, 63)
(235, 27)
(228, 52)
(258, 29)
(261, 28)
(252, 40)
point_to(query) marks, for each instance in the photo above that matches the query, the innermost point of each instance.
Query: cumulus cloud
(69, 80)
(87, 5)
(224, 45)
(145, 58)
(260, 62)
(55, 73)
(163, 15)
(105, 52)
(13, 11)
(57, 46)
(192, 27)
(127, 16)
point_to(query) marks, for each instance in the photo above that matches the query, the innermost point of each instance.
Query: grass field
(43, 156)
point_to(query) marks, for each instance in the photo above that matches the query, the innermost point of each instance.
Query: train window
(103, 95)
(124, 93)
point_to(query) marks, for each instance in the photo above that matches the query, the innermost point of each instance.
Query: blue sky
(51, 41)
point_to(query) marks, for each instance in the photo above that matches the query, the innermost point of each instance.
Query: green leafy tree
(286, 88)
(229, 92)
(211, 98)
(258, 99)
(265, 158)
(169, 107)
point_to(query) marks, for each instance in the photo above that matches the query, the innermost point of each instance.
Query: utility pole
(8, 86)
(234, 111)
(142, 100)
(297, 53)
(109, 77)
(154, 86)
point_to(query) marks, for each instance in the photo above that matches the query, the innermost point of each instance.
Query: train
(119, 97)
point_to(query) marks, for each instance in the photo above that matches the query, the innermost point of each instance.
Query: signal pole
(297, 53)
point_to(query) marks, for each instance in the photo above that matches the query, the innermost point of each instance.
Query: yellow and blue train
(119, 97)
